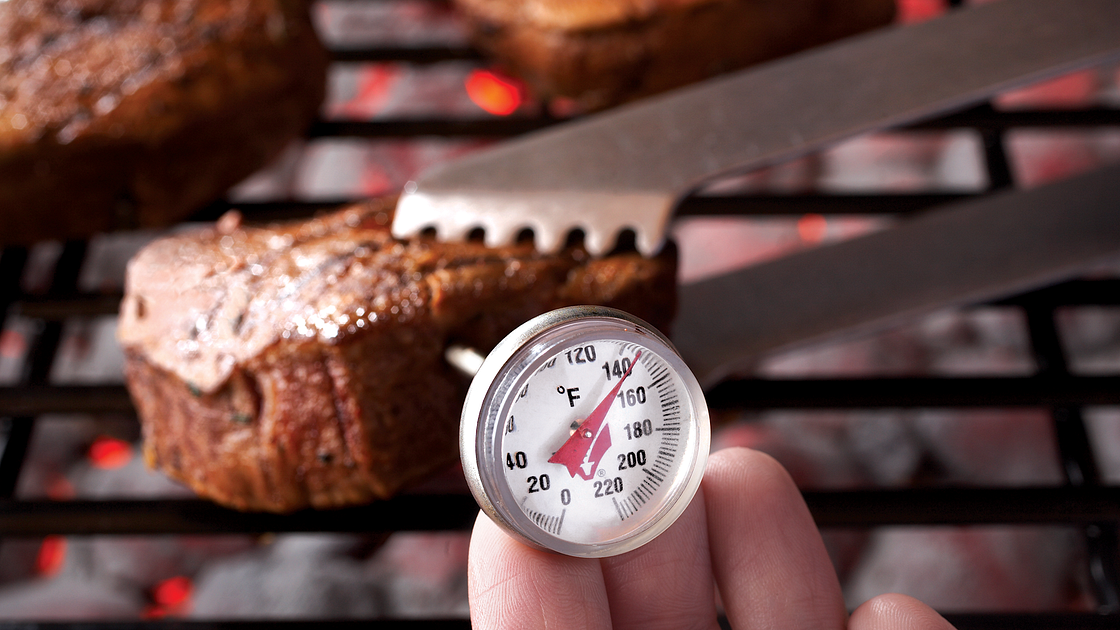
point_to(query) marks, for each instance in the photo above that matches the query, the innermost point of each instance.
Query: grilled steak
(302, 365)
(603, 52)
(123, 113)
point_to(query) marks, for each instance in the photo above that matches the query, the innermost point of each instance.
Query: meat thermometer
(584, 433)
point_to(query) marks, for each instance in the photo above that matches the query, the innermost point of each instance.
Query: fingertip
(740, 462)
(745, 480)
(894, 611)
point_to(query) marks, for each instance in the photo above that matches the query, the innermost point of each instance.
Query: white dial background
(634, 478)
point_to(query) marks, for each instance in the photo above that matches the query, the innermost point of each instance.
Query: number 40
(517, 459)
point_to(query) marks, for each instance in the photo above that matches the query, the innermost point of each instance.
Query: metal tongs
(628, 168)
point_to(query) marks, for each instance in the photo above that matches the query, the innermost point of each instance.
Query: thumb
(896, 612)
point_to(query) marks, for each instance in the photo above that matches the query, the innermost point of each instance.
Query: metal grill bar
(1012, 621)
(12, 261)
(414, 55)
(986, 117)
(328, 624)
(967, 621)
(801, 204)
(64, 281)
(1078, 460)
(61, 308)
(963, 506)
(1101, 292)
(15, 451)
(880, 393)
(38, 366)
(197, 516)
(849, 508)
(1097, 292)
(37, 400)
(1074, 446)
(843, 393)
(995, 157)
(982, 118)
(446, 128)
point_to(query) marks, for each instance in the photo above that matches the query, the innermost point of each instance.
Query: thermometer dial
(584, 432)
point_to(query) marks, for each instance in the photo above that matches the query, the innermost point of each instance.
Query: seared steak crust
(604, 52)
(302, 365)
(123, 113)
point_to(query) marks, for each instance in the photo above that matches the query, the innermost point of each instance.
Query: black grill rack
(1084, 501)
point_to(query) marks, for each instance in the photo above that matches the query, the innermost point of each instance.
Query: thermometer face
(585, 433)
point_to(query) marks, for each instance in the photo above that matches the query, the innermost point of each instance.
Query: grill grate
(1084, 501)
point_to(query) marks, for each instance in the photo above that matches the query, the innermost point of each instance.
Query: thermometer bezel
(511, 364)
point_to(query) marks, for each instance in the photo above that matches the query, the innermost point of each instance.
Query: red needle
(586, 446)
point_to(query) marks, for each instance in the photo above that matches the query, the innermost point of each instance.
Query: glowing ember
(812, 228)
(496, 94)
(919, 10)
(173, 591)
(12, 344)
(52, 555)
(171, 597)
(1070, 91)
(109, 453)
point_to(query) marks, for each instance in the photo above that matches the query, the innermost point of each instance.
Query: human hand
(747, 531)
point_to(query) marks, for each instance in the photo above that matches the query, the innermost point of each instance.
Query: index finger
(513, 586)
(767, 555)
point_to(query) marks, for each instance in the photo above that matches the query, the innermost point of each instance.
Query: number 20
(537, 484)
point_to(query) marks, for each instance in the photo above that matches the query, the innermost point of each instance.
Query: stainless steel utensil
(965, 253)
(628, 168)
